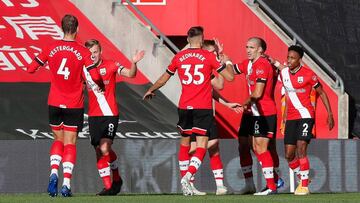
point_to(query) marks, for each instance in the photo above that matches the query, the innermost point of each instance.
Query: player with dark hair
(213, 143)
(66, 59)
(298, 82)
(195, 67)
(104, 114)
(259, 118)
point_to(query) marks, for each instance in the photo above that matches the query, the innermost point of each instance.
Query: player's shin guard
(268, 169)
(217, 168)
(103, 167)
(295, 166)
(304, 171)
(69, 160)
(56, 154)
(196, 160)
(114, 166)
(184, 159)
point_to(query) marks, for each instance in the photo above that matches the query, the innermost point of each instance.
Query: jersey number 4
(191, 78)
(64, 70)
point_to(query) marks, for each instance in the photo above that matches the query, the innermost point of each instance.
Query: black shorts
(102, 127)
(212, 133)
(258, 126)
(246, 125)
(70, 119)
(300, 129)
(195, 121)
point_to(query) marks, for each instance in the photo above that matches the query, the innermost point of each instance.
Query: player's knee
(289, 157)
(105, 146)
(214, 149)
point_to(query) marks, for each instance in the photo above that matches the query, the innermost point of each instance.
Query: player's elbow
(132, 75)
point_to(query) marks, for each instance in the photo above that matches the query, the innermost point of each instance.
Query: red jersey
(260, 71)
(298, 87)
(194, 68)
(104, 104)
(66, 61)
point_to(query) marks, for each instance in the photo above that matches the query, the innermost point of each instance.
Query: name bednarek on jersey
(66, 48)
(191, 55)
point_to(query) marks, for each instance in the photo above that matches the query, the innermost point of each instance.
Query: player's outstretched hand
(330, 121)
(224, 58)
(219, 45)
(138, 56)
(148, 95)
(235, 107)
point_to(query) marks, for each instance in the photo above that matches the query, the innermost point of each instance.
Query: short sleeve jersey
(66, 60)
(260, 71)
(104, 104)
(194, 67)
(298, 87)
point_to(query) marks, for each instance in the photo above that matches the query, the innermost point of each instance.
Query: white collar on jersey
(295, 70)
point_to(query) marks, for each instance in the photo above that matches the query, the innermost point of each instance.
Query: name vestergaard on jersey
(66, 48)
(190, 55)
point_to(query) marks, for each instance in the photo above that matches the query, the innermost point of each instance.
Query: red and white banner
(26, 26)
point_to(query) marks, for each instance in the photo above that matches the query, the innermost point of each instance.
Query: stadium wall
(150, 166)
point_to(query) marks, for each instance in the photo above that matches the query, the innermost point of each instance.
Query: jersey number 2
(190, 78)
(63, 70)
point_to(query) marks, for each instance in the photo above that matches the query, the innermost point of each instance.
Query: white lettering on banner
(34, 26)
(10, 58)
(30, 4)
(37, 134)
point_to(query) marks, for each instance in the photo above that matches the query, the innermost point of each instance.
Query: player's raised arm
(217, 82)
(226, 70)
(38, 61)
(231, 105)
(159, 83)
(274, 62)
(133, 69)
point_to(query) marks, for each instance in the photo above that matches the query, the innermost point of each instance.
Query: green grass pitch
(177, 198)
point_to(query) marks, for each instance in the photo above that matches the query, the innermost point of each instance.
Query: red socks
(267, 168)
(217, 168)
(56, 154)
(246, 163)
(275, 158)
(104, 170)
(304, 171)
(184, 159)
(295, 166)
(69, 160)
(196, 160)
(114, 166)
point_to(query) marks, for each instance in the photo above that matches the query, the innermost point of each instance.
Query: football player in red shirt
(104, 114)
(213, 143)
(259, 119)
(66, 59)
(298, 82)
(194, 66)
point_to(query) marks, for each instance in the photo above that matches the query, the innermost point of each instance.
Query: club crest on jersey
(102, 71)
(300, 79)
